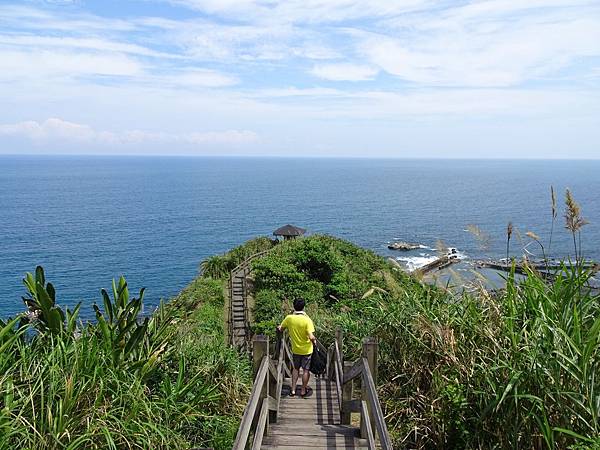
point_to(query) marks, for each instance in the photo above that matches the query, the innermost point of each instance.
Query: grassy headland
(517, 369)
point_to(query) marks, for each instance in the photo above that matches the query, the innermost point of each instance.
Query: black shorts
(302, 361)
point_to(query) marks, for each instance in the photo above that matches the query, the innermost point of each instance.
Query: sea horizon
(287, 157)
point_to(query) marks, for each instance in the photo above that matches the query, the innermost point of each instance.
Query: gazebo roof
(289, 230)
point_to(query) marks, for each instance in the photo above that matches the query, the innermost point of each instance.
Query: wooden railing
(245, 268)
(346, 375)
(263, 405)
(246, 263)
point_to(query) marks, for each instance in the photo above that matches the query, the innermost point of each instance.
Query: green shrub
(271, 272)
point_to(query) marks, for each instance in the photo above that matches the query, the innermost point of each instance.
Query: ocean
(90, 219)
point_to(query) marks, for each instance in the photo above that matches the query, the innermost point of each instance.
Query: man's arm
(311, 332)
(283, 325)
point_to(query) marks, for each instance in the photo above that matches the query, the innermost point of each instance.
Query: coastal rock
(404, 246)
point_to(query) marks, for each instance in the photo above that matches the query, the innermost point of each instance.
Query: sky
(352, 78)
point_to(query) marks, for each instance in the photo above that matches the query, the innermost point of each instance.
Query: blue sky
(379, 78)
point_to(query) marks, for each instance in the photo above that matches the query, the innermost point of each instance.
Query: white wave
(415, 262)
(458, 255)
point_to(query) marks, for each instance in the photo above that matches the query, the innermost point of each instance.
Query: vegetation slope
(519, 369)
(514, 369)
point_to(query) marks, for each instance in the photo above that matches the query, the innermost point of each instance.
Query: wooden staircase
(238, 318)
(322, 420)
(312, 422)
(238, 312)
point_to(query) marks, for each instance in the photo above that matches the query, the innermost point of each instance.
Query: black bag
(318, 361)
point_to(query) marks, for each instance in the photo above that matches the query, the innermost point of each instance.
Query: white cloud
(199, 78)
(301, 11)
(344, 72)
(54, 129)
(490, 43)
(50, 129)
(40, 65)
(78, 43)
(279, 67)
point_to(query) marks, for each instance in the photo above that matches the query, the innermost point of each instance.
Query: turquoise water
(89, 219)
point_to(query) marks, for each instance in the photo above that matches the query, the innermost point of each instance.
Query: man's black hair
(299, 304)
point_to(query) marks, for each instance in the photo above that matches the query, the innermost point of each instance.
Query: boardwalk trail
(324, 418)
(238, 307)
(312, 422)
(238, 311)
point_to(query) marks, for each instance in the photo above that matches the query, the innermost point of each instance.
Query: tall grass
(123, 382)
(514, 369)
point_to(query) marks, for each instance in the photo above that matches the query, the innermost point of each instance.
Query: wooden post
(370, 347)
(346, 415)
(273, 386)
(260, 349)
(229, 312)
(329, 369)
(346, 388)
(339, 337)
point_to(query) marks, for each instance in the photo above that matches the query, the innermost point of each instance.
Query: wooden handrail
(249, 259)
(368, 385)
(339, 372)
(267, 386)
(354, 372)
(246, 262)
(365, 426)
(364, 369)
(262, 425)
(271, 372)
(243, 434)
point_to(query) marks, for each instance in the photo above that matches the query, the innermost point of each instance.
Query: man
(300, 328)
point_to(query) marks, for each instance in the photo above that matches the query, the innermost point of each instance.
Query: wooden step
(301, 441)
(307, 429)
(314, 447)
(310, 417)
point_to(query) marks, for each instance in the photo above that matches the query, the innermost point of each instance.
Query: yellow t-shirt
(299, 326)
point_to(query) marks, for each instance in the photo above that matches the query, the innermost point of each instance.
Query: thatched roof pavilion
(289, 232)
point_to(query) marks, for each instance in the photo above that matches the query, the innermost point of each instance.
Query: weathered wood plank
(250, 411)
(313, 447)
(317, 409)
(373, 400)
(307, 419)
(366, 432)
(354, 371)
(313, 430)
(262, 425)
(308, 441)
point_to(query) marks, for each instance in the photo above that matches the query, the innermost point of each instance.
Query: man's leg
(295, 374)
(305, 378)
